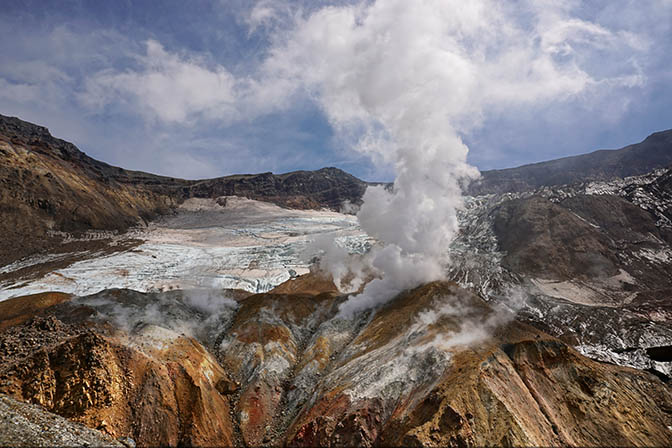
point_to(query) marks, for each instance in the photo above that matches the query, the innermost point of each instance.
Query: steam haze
(405, 80)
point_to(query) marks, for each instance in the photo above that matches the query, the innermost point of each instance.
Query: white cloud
(355, 57)
(266, 13)
(18, 92)
(167, 87)
(407, 78)
(383, 72)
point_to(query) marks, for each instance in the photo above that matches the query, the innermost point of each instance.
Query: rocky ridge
(51, 190)
(592, 261)
(437, 366)
(603, 165)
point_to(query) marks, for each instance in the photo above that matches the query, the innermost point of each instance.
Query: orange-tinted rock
(18, 310)
(290, 371)
(516, 387)
(314, 283)
(161, 396)
(261, 349)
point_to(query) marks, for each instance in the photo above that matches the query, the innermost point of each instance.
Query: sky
(198, 89)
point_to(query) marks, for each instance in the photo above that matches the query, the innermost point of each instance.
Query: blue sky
(189, 89)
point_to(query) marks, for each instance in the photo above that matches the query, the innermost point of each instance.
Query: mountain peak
(660, 135)
(653, 152)
(16, 127)
(37, 137)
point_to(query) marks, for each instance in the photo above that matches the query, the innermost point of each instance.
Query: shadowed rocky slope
(48, 186)
(654, 152)
(593, 261)
(327, 187)
(282, 368)
(585, 236)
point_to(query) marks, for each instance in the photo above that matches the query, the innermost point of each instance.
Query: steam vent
(373, 223)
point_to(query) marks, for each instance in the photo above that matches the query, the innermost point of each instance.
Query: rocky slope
(23, 424)
(152, 384)
(637, 159)
(557, 330)
(593, 261)
(48, 186)
(50, 189)
(437, 366)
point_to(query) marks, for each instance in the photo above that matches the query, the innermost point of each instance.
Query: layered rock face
(50, 187)
(592, 260)
(151, 384)
(436, 366)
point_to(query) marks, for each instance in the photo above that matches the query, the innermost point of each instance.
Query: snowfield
(245, 244)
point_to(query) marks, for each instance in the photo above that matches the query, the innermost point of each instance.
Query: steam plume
(407, 79)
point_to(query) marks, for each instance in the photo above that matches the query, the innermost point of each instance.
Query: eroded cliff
(437, 366)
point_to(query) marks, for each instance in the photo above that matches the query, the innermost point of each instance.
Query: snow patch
(248, 245)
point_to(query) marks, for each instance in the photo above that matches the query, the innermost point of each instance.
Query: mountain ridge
(50, 187)
(655, 151)
(16, 127)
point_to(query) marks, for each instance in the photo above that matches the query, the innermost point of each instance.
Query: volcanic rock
(437, 366)
(640, 158)
(151, 388)
(23, 424)
(49, 187)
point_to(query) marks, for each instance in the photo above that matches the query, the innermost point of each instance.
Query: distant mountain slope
(654, 152)
(327, 187)
(50, 186)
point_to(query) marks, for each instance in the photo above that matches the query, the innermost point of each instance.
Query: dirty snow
(246, 244)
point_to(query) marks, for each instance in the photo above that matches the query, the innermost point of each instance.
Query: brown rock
(518, 386)
(50, 185)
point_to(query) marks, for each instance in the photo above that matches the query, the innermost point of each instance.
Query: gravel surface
(23, 424)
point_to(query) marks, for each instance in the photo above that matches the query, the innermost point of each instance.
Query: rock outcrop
(23, 424)
(437, 366)
(48, 187)
(152, 385)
